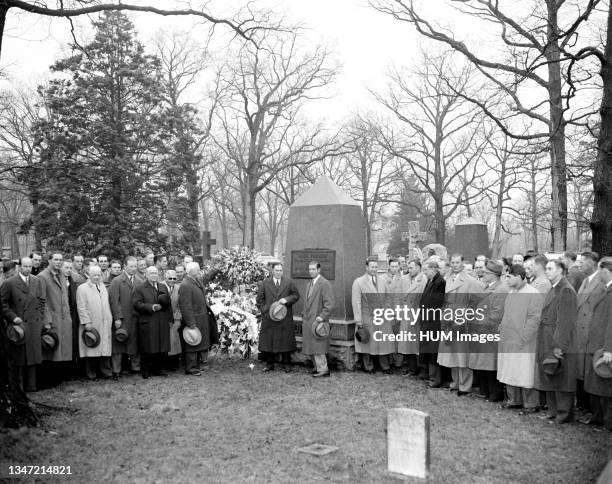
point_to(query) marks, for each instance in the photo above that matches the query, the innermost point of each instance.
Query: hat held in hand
(603, 370)
(16, 334)
(91, 338)
(192, 336)
(278, 311)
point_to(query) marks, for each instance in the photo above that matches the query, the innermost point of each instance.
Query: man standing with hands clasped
(275, 296)
(317, 309)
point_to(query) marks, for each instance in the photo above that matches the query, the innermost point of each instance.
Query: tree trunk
(3, 11)
(499, 209)
(250, 214)
(557, 132)
(601, 220)
(440, 222)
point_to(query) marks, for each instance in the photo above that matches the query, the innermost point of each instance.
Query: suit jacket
(412, 289)
(589, 295)
(27, 303)
(120, 295)
(73, 285)
(153, 326)
(432, 298)
(558, 330)
(319, 304)
(276, 336)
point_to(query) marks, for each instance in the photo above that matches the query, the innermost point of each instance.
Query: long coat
(433, 299)
(175, 339)
(558, 330)
(575, 277)
(364, 285)
(59, 312)
(194, 312)
(276, 336)
(518, 332)
(320, 303)
(27, 303)
(94, 309)
(483, 356)
(589, 294)
(120, 295)
(153, 326)
(600, 336)
(542, 284)
(73, 284)
(413, 289)
(463, 292)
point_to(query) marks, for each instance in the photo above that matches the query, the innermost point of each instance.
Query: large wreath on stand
(232, 298)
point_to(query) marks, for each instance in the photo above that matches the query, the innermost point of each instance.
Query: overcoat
(364, 285)
(558, 330)
(276, 336)
(120, 295)
(461, 293)
(175, 339)
(430, 324)
(575, 277)
(320, 303)
(600, 336)
(58, 308)
(589, 294)
(27, 303)
(518, 332)
(94, 309)
(73, 285)
(194, 312)
(483, 356)
(412, 289)
(542, 284)
(153, 326)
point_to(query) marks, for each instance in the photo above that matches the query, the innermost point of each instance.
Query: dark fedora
(551, 365)
(278, 311)
(16, 334)
(49, 339)
(164, 301)
(320, 329)
(601, 369)
(91, 337)
(122, 335)
(362, 335)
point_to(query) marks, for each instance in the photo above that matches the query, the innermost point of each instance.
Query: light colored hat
(495, 267)
(192, 336)
(602, 369)
(278, 311)
(320, 329)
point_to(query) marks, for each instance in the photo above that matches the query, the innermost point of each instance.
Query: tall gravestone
(325, 224)
(471, 239)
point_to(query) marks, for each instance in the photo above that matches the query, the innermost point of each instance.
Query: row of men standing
(66, 304)
(548, 334)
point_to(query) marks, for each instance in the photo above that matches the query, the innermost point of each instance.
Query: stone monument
(471, 239)
(326, 224)
(408, 442)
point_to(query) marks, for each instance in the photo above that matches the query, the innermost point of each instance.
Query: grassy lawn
(237, 425)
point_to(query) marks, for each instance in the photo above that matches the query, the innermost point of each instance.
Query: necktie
(98, 288)
(310, 290)
(132, 280)
(27, 281)
(276, 282)
(374, 281)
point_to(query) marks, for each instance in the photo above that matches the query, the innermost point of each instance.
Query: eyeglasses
(171, 278)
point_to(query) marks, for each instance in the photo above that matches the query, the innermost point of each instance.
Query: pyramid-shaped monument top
(324, 192)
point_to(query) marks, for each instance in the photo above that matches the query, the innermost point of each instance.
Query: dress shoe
(318, 375)
(453, 389)
(193, 373)
(435, 385)
(388, 371)
(547, 417)
(115, 376)
(268, 368)
(313, 371)
(529, 411)
(423, 376)
(510, 406)
(145, 375)
(460, 393)
(495, 399)
(370, 372)
(481, 396)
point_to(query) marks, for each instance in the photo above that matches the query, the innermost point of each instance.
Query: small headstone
(408, 442)
(606, 475)
(318, 449)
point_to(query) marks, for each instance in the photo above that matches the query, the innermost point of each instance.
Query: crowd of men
(101, 319)
(547, 324)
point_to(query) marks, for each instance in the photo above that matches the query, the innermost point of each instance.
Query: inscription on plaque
(301, 258)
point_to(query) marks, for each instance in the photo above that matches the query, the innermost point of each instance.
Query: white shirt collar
(592, 276)
(316, 279)
(23, 278)
(609, 282)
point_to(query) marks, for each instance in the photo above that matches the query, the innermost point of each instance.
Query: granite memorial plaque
(301, 258)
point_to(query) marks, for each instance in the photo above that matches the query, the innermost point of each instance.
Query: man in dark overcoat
(276, 337)
(432, 298)
(557, 341)
(152, 303)
(120, 294)
(23, 303)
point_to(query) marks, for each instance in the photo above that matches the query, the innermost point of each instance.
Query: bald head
(192, 269)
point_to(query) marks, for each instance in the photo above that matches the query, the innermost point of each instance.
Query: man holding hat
(598, 366)
(23, 305)
(556, 354)
(275, 297)
(318, 306)
(483, 356)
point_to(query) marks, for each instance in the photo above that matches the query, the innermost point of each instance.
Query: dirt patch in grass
(234, 424)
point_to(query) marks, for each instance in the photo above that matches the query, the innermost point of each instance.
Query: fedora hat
(278, 311)
(16, 334)
(192, 336)
(122, 335)
(164, 300)
(602, 369)
(91, 338)
(49, 339)
(320, 329)
(362, 335)
(551, 365)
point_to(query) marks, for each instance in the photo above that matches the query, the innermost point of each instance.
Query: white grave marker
(408, 442)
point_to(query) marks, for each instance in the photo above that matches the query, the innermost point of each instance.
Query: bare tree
(535, 38)
(441, 137)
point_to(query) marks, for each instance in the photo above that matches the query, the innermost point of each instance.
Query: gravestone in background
(408, 442)
(471, 239)
(326, 224)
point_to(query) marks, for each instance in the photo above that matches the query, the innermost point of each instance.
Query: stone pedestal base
(341, 354)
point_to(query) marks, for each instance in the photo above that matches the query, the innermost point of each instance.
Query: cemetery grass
(234, 424)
